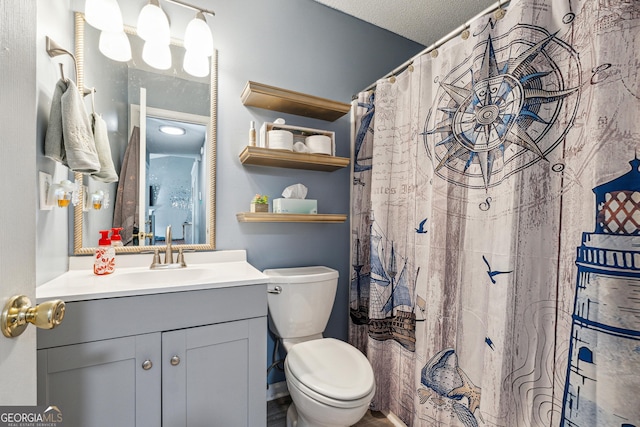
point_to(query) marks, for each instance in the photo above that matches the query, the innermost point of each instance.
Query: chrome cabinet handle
(175, 361)
(146, 365)
(276, 290)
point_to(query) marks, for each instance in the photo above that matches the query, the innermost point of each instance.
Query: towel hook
(62, 71)
(93, 98)
(54, 49)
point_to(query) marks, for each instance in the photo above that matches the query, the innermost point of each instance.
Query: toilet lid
(331, 368)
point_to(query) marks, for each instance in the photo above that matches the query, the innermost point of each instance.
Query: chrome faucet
(168, 255)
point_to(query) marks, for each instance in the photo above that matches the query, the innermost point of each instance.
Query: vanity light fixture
(195, 64)
(198, 38)
(105, 15)
(153, 24)
(157, 55)
(172, 130)
(198, 43)
(153, 28)
(115, 45)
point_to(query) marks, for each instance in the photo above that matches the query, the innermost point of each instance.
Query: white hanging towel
(69, 139)
(107, 172)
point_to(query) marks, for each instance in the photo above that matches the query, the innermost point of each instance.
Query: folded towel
(53, 142)
(69, 139)
(76, 133)
(107, 172)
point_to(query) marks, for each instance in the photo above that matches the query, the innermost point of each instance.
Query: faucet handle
(180, 259)
(156, 257)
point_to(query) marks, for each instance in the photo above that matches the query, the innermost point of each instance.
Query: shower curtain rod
(498, 5)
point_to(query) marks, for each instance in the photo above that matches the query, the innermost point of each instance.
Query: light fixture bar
(181, 3)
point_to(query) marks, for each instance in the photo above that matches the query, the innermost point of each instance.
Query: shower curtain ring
(500, 12)
(464, 35)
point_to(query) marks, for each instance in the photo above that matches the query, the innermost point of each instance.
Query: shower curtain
(496, 223)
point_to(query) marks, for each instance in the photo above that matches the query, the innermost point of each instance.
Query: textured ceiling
(423, 21)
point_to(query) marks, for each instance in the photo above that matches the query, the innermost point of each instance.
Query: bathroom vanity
(189, 350)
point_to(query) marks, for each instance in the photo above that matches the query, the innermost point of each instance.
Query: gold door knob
(18, 313)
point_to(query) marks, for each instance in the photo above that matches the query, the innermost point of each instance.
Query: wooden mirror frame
(210, 221)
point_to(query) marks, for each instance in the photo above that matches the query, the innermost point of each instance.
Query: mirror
(176, 185)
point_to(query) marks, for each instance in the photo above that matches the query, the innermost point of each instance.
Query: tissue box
(300, 206)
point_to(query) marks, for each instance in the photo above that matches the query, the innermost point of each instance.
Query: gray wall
(295, 44)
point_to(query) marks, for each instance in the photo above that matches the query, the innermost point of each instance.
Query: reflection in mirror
(175, 182)
(174, 178)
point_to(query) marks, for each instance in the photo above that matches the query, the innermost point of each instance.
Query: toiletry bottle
(252, 134)
(104, 261)
(116, 238)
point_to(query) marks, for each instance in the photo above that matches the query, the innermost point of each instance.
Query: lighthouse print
(603, 382)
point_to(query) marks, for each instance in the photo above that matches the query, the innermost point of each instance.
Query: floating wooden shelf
(286, 217)
(289, 159)
(287, 101)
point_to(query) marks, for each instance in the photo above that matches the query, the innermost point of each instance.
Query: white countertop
(205, 270)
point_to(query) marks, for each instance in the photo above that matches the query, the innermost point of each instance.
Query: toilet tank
(304, 302)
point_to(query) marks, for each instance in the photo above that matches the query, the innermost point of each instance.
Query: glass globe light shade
(158, 55)
(104, 15)
(197, 37)
(153, 24)
(115, 45)
(196, 64)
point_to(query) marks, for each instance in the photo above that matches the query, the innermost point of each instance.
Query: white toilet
(331, 382)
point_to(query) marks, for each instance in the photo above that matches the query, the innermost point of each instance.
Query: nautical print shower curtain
(496, 223)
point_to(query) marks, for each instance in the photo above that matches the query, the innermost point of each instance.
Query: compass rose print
(502, 104)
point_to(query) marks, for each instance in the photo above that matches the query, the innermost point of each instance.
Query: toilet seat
(331, 372)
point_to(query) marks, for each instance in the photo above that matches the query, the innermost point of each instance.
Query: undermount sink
(208, 270)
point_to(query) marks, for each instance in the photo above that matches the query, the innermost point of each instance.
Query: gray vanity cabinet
(194, 358)
(102, 383)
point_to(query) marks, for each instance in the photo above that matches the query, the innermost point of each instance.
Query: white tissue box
(299, 206)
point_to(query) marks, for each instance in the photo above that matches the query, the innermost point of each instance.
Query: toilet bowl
(331, 383)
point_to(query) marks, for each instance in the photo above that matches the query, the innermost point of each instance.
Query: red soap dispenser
(104, 261)
(116, 238)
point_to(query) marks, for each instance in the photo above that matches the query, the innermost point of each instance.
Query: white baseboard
(277, 390)
(397, 422)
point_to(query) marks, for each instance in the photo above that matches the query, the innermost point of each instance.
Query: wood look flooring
(277, 415)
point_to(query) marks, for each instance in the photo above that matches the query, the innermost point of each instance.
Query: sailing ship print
(359, 310)
(392, 295)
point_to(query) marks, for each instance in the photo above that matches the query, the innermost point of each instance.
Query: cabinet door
(215, 375)
(103, 383)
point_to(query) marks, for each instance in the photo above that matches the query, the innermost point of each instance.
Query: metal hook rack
(54, 49)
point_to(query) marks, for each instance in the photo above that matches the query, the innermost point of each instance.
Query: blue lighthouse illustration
(603, 374)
